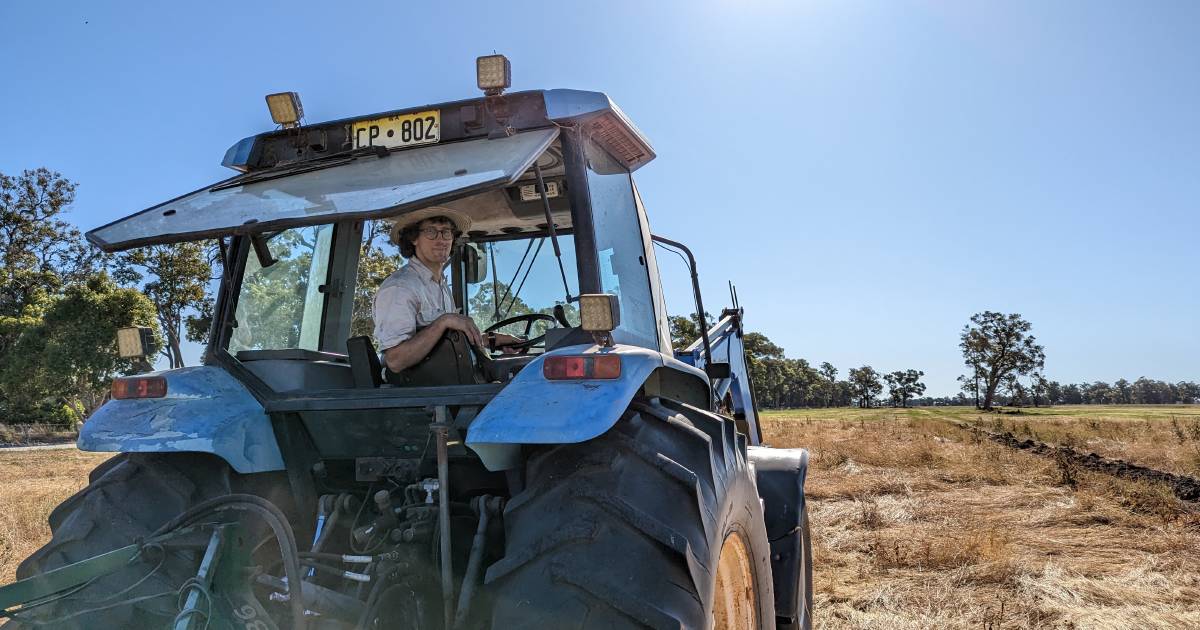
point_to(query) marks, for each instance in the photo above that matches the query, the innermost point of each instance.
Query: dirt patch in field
(1162, 437)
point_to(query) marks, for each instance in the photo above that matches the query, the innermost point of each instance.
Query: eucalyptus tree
(865, 384)
(997, 346)
(903, 385)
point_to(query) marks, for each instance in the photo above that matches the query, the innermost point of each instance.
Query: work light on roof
(285, 109)
(493, 74)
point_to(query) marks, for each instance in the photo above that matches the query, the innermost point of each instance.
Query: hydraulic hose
(327, 521)
(278, 522)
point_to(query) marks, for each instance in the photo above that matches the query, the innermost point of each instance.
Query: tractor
(593, 476)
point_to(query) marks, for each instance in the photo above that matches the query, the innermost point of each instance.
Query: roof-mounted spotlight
(493, 74)
(285, 109)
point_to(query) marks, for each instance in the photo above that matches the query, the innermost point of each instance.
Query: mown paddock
(917, 523)
(1166, 437)
(920, 524)
(32, 483)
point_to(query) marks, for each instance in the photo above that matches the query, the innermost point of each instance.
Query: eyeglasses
(446, 234)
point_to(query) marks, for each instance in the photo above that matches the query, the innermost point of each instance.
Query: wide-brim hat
(461, 221)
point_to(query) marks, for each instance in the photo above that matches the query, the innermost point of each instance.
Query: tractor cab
(543, 176)
(558, 251)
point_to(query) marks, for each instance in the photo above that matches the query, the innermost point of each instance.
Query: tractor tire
(128, 498)
(655, 524)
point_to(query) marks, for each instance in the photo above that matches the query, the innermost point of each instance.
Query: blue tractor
(589, 476)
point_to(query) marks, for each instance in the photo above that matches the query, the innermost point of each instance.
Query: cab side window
(623, 267)
(378, 258)
(280, 306)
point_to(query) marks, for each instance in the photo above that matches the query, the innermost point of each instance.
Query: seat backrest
(448, 363)
(364, 362)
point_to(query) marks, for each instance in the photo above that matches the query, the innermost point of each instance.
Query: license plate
(405, 130)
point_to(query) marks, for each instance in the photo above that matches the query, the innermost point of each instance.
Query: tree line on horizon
(781, 383)
(1142, 391)
(1005, 364)
(62, 301)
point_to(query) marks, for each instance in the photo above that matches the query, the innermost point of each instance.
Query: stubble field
(32, 483)
(917, 522)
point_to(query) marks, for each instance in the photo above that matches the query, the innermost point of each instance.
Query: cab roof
(330, 171)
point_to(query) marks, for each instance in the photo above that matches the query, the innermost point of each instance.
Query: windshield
(523, 272)
(523, 277)
(280, 306)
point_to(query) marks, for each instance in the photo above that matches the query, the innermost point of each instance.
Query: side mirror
(134, 342)
(474, 264)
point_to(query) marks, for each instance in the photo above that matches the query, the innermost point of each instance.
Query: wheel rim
(735, 602)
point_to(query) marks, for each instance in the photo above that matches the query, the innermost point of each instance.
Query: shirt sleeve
(395, 314)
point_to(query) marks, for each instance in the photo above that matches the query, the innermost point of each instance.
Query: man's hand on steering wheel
(502, 342)
(519, 345)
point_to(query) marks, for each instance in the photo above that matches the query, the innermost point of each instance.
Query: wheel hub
(735, 602)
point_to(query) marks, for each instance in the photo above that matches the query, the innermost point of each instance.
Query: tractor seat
(365, 367)
(448, 363)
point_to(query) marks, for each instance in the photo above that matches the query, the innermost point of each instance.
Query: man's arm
(410, 351)
(503, 340)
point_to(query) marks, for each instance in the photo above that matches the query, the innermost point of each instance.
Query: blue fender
(534, 410)
(205, 411)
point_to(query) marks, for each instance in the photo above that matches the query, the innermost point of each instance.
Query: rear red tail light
(605, 366)
(139, 387)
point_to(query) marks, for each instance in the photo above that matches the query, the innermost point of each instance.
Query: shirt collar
(425, 272)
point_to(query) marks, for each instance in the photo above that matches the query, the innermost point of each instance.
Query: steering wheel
(529, 318)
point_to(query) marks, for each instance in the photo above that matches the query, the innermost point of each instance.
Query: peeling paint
(205, 410)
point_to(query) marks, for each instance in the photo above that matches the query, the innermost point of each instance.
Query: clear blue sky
(869, 174)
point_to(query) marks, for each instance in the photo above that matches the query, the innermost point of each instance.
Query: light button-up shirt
(409, 299)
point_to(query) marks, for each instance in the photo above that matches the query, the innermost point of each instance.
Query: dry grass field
(1166, 437)
(918, 523)
(32, 483)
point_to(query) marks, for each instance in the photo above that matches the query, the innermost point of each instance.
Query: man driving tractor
(414, 306)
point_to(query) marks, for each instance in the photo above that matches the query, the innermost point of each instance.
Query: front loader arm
(725, 339)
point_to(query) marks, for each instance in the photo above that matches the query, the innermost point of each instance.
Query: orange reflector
(580, 367)
(139, 387)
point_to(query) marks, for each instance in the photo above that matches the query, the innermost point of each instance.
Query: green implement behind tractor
(588, 476)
